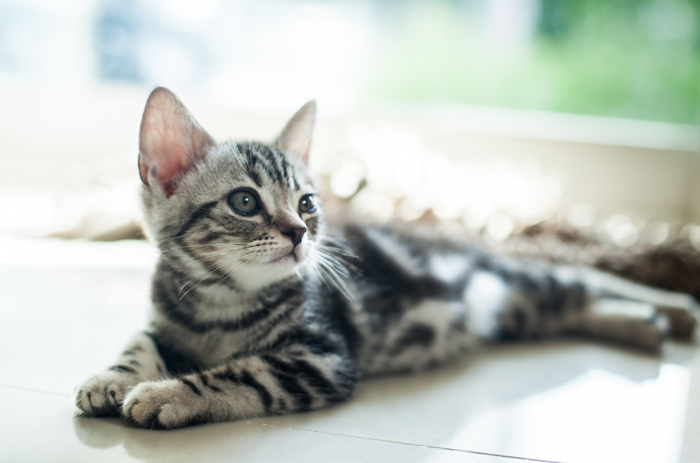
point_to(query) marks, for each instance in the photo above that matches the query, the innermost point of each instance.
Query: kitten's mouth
(287, 257)
(290, 256)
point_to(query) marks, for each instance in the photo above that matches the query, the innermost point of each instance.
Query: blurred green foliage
(620, 58)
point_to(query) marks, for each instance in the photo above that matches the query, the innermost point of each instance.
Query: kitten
(258, 310)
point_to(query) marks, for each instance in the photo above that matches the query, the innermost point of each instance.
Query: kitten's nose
(295, 233)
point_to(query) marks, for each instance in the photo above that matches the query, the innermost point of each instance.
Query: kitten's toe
(102, 394)
(160, 405)
(93, 402)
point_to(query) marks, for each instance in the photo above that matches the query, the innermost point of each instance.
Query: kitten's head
(244, 209)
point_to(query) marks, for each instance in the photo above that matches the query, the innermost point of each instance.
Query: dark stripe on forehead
(254, 176)
(285, 167)
(264, 158)
(255, 161)
(272, 160)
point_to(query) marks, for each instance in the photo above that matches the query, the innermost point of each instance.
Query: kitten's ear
(170, 141)
(296, 136)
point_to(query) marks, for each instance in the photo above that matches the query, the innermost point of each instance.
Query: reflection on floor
(561, 401)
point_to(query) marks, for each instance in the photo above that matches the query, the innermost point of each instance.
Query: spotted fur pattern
(248, 323)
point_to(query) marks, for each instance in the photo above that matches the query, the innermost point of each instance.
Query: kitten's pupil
(306, 203)
(243, 202)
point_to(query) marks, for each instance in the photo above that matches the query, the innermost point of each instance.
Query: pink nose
(295, 234)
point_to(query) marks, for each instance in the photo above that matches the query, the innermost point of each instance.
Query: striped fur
(246, 324)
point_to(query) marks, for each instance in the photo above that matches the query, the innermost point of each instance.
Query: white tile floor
(67, 308)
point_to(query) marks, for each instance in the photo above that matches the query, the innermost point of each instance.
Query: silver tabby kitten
(257, 312)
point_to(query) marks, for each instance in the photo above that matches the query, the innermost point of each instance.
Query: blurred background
(487, 116)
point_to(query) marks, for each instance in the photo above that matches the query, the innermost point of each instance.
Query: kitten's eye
(243, 202)
(307, 204)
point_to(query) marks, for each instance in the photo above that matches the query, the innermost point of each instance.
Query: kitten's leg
(681, 309)
(247, 387)
(103, 394)
(531, 303)
(632, 323)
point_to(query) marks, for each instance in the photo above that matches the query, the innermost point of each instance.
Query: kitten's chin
(255, 278)
(259, 275)
(287, 259)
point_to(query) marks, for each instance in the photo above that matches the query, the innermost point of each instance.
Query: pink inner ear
(171, 141)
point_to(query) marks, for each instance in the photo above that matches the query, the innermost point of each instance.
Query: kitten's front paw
(102, 394)
(165, 404)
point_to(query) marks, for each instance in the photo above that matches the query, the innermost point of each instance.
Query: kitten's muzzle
(295, 234)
